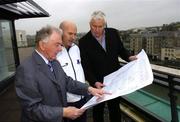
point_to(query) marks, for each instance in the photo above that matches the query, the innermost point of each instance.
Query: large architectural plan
(129, 78)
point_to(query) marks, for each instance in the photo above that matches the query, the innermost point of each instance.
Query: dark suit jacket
(97, 62)
(42, 96)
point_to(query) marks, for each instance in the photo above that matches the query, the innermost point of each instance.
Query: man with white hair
(100, 49)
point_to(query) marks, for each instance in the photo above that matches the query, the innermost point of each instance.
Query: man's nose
(73, 37)
(97, 28)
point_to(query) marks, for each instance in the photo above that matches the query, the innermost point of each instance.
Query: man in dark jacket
(100, 49)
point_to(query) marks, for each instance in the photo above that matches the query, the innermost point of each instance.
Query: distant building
(30, 40)
(24, 40)
(177, 54)
(168, 39)
(137, 42)
(21, 38)
(153, 42)
(177, 38)
(153, 45)
(79, 35)
(125, 37)
(168, 54)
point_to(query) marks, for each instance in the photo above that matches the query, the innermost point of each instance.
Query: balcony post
(173, 98)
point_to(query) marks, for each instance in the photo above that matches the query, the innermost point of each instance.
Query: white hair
(96, 15)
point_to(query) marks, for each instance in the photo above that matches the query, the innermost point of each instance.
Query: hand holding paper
(129, 78)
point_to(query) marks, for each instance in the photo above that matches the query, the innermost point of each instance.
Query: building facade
(21, 38)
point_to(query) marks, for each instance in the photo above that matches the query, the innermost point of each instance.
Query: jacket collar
(43, 67)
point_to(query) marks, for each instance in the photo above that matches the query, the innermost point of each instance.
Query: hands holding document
(99, 85)
(73, 112)
(127, 79)
(96, 92)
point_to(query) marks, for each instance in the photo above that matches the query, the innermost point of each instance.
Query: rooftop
(18, 9)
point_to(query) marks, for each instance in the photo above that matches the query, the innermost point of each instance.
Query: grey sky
(120, 14)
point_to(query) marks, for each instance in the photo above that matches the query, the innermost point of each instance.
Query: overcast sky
(120, 14)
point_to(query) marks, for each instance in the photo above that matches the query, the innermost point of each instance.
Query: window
(7, 62)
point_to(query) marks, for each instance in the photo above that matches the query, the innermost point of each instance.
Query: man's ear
(42, 45)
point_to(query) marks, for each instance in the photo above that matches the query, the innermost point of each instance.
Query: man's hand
(99, 85)
(132, 58)
(72, 112)
(96, 92)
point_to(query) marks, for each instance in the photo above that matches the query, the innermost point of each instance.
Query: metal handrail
(169, 78)
(172, 77)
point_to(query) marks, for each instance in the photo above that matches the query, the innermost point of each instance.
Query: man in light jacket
(70, 61)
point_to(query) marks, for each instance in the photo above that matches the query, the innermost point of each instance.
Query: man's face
(97, 27)
(53, 46)
(69, 35)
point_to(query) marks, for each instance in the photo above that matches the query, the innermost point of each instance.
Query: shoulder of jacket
(85, 37)
(74, 47)
(62, 51)
(111, 29)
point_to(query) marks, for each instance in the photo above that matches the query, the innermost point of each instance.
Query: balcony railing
(152, 105)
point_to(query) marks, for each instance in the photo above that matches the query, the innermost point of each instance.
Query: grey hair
(98, 15)
(44, 33)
